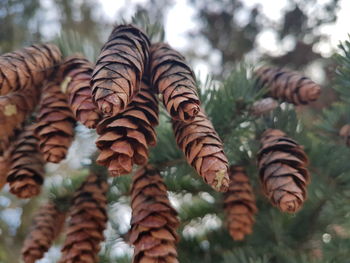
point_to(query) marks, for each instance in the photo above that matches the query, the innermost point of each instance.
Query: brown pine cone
(289, 86)
(174, 79)
(124, 139)
(345, 133)
(4, 169)
(25, 176)
(55, 123)
(27, 68)
(119, 68)
(239, 204)
(282, 168)
(76, 71)
(21, 75)
(203, 150)
(88, 218)
(47, 225)
(153, 221)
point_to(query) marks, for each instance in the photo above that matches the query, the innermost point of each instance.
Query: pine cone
(124, 139)
(239, 204)
(289, 86)
(203, 150)
(55, 123)
(21, 75)
(26, 165)
(88, 218)
(174, 79)
(47, 225)
(345, 133)
(27, 68)
(4, 169)
(119, 69)
(153, 221)
(76, 72)
(282, 168)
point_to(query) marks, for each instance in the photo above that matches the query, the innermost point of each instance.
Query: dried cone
(282, 168)
(289, 86)
(4, 169)
(153, 220)
(239, 204)
(173, 78)
(55, 123)
(28, 67)
(203, 150)
(119, 68)
(47, 225)
(88, 218)
(26, 165)
(124, 139)
(76, 72)
(21, 75)
(345, 133)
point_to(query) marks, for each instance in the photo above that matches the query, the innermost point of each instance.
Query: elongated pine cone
(26, 165)
(88, 218)
(289, 86)
(124, 139)
(173, 78)
(282, 168)
(239, 204)
(203, 150)
(153, 220)
(119, 68)
(76, 71)
(47, 225)
(27, 68)
(21, 75)
(55, 123)
(345, 133)
(4, 169)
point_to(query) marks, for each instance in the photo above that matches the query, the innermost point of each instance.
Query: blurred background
(214, 35)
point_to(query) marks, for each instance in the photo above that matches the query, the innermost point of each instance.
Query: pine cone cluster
(124, 139)
(76, 72)
(174, 79)
(88, 218)
(119, 68)
(153, 221)
(26, 163)
(286, 85)
(239, 204)
(282, 168)
(47, 225)
(21, 74)
(55, 123)
(203, 150)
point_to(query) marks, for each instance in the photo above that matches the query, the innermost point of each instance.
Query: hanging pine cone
(26, 165)
(203, 150)
(47, 225)
(345, 133)
(153, 220)
(4, 169)
(124, 139)
(88, 218)
(282, 168)
(239, 204)
(286, 85)
(55, 123)
(119, 69)
(21, 75)
(76, 72)
(174, 79)
(27, 68)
